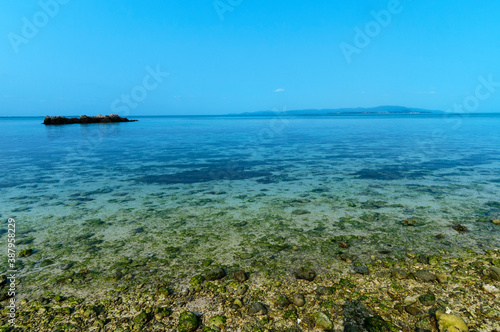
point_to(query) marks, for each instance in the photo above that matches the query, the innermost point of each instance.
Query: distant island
(61, 120)
(351, 111)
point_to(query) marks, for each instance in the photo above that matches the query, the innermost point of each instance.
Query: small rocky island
(61, 120)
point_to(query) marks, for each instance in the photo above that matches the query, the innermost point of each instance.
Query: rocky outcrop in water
(61, 120)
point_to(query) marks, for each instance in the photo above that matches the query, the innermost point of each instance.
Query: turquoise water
(262, 191)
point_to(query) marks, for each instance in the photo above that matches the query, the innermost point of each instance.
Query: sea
(185, 193)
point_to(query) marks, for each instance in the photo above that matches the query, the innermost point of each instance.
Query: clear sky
(71, 57)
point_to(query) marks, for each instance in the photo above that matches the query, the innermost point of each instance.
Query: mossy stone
(378, 324)
(323, 321)
(26, 253)
(427, 299)
(197, 280)
(448, 322)
(291, 314)
(306, 274)
(282, 301)
(216, 274)
(161, 313)
(91, 311)
(218, 321)
(142, 318)
(188, 322)
(46, 262)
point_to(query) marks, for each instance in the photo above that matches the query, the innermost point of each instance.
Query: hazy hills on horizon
(357, 110)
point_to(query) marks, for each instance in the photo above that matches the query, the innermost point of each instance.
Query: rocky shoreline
(441, 292)
(61, 120)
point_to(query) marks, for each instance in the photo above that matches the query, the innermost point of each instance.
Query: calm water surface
(261, 191)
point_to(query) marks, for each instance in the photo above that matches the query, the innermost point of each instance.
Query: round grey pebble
(257, 309)
(299, 300)
(241, 290)
(361, 270)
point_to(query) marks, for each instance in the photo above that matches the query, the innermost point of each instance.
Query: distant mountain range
(358, 110)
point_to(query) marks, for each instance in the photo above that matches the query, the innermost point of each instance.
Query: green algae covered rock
(493, 272)
(218, 321)
(188, 322)
(427, 299)
(216, 274)
(323, 321)
(378, 324)
(25, 252)
(142, 318)
(197, 280)
(450, 323)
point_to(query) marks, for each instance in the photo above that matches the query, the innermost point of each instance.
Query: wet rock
(378, 324)
(197, 280)
(240, 276)
(216, 274)
(410, 222)
(409, 300)
(299, 300)
(241, 289)
(142, 318)
(399, 274)
(412, 310)
(257, 309)
(439, 236)
(25, 252)
(423, 259)
(350, 328)
(306, 274)
(322, 290)
(361, 269)
(343, 245)
(442, 304)
(323, 321)
(218, 321)
(91, 311)
(282, 301)
(423, 325)
(66, 266)
(491, 289)
(459, 228)
(493, 272)
(442, 278)
(46, 262)
(161, 313)
(427, 299)
(424, 275)
(450, 323)
(137, 230)
(348, 258)
(434, 260)
(61, 120)
(188, 322)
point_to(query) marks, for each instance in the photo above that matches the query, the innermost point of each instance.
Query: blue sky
(156, 57)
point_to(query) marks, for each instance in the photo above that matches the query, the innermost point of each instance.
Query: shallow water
(262, 192)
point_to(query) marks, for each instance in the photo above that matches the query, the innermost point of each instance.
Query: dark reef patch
(203, 175)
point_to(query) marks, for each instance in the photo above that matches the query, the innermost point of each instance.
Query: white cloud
(279, 90)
